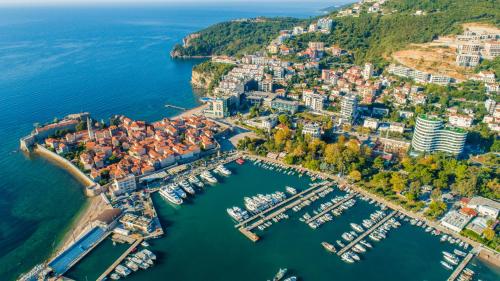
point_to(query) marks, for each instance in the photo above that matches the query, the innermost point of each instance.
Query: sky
(107, 2)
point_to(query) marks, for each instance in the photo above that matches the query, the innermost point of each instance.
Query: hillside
(370, 36)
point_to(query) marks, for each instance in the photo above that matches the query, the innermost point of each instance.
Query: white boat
(237, 213)
(149, 254)
(451, 261)
(354, 256)
(291, 190)
(187, 187)
(122, 270)
(114, 276)
(366, 244)
(194, 180)
(357, 227)
(360, 248)
(291, 278)
(347, 236)
(132, 265)
(170, 195)
(459, 253)
(347, 258)
(281, 273)
(446, 265)
(223, 170)
(206, 175)
(175, 187)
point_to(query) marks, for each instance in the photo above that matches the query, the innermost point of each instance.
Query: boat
(170, 196)
(291, 278)
(459, 253)
(240, 161)
(366, 244)
(144, 244)
(223, 170)
(179, 191)
(237, 213)
(194, 180)
(132, 265)
(360, 248)
(291, 190)
(187, 187)
(114, 276)
(122, 270)
(446, 265)
(149, 254)
(357, 227)
(281, 273)
(329, 247)
(354, 256)
(347, 236)
(342, 245)
(347, 258)
(206, 175)
(451, 261)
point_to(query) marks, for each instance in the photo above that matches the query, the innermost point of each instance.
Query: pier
(461, 266)
(284, 202)
(329, 208)
(175, 107)
(119, 260)
(360, 237)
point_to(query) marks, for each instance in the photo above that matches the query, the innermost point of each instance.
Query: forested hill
(235, 37)
(369, 36)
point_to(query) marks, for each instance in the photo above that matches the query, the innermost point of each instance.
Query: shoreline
(93, 206)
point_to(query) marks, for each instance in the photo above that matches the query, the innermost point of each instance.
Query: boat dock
(175, 107)
(110, 269)
(301, 195)
(360, 237)
(329, 208)
(461, 266)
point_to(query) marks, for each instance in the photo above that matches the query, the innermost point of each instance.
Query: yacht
(357, 227)
(132, 265)
(237, 213)
(195, 181)
(187, 187)
(354, 256)
(149, 254)
(291, 278)
(114, 276)
(122, 270)
(347, 236)
(281, 273)
(169, 195)
(366, 244)
(329, 247)
(342, 245)
(446, 265)
(347, 258)
(459, 253)
(206, 175)
(178, 190)
(291, 190)
(451, 261)
(223, 170)
(360, 248)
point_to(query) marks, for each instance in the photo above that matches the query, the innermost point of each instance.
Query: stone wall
(91, 187)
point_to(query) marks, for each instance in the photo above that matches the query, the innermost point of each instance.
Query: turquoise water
(105, 60)
(202, 244)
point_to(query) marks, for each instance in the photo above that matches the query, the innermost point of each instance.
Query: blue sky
(94, 2)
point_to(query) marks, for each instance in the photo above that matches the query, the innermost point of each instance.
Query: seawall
(91, 187)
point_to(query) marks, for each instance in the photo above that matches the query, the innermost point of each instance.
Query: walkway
(461, 267)
(330, 208)
(119, 260)
(359, 238)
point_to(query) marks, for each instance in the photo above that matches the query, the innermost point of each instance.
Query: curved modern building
(430, 135)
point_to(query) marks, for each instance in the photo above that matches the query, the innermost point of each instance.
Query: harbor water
(105, 60)
(201, 242)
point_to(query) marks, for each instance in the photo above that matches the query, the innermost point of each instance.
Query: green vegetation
(236, 37)
(491, 65)
(214, 70)
(371, 37)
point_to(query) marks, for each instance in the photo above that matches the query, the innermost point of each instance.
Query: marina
(189, 224)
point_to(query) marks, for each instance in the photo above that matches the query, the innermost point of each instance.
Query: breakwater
(91, 187)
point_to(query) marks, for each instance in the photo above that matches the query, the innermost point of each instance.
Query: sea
(57, 60)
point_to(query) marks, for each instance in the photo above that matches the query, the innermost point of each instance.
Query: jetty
(301, 196)
(175, 107)
(246, 229)
(330, 208)
(461, 266)
(119, 260)
(360, 237)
